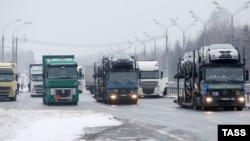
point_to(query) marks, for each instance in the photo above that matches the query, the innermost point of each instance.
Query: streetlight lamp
(153, 38)
(167, 50)
(15, 40)
(231, 14)
(143, 42)
(205, 26)
(3, 36)
(183, 30)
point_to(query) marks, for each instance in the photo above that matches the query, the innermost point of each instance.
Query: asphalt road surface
(151, 119)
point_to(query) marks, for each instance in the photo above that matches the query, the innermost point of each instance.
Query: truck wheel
(13, 98)
(195, 106)
(134, 102)
(239, 108)
(44, 102)
(204, 108)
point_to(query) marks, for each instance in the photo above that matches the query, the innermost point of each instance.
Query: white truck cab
(152, 82)
(36, 80)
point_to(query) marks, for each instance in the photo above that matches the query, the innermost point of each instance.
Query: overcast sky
(85, 26)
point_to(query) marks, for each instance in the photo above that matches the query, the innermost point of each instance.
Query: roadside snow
(49, 125)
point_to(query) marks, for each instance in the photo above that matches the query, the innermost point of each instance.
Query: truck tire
(13, 98)
(239, 108)
(134, 102)
(44, 102)
(195, 106)
(204, 108)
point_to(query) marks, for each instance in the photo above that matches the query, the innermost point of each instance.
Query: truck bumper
(149, 91)
(60, 99)
(238, 101)
(114, 97)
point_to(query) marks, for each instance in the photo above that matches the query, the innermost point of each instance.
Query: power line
(60, 44)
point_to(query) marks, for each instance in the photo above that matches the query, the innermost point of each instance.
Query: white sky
(50, 125)
(87, 26)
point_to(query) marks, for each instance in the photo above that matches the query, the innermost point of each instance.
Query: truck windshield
(119, 77)
(36, 77)
(224, 74)
(149, 74)
(6, 77)
(62, 72)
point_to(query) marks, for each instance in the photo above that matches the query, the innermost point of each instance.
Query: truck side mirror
(44, 74)
(80, 74)
(247, 75)
(161, 74)
(16, 77)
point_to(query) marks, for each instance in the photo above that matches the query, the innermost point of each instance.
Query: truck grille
(63, 92)
(148, 90)
(5, 89)
(226, 92)
(124, 91)
(38, 88)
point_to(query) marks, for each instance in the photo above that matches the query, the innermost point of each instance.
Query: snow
(50, 124)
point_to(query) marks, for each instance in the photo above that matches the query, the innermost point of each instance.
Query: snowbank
(49, 125)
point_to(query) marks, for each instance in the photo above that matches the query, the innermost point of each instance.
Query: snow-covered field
(50, 125)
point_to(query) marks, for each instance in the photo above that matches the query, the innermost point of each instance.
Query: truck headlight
(134, 96)
(113, 96)
(209, 99)
(73, 91)
(53, 91)
(241, 99)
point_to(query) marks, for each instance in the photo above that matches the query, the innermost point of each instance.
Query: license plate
(123, 95)
(225, 98)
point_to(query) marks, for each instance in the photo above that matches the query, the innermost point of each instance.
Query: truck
(116, 79)
(89, 79)
(212, 85)
(36, 79)
(151, 80)
(60, 80)
(8, 81)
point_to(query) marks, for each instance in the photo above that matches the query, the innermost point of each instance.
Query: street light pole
(183, 30)
(205, 27)
(3, 36)
(143, 42)
(167, 49)
(231, 14)
(153, 38)
(15, 40)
